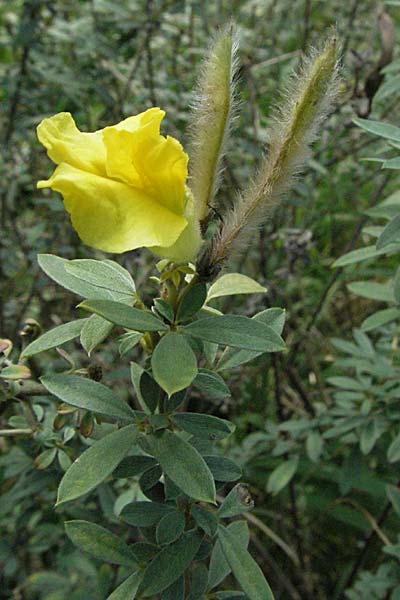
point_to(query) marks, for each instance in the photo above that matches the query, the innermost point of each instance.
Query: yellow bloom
(124, 186)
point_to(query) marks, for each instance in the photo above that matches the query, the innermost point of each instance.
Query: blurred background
(323, 524)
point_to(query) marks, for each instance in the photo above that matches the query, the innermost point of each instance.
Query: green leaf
(281, 475)
(176, 591)
(211, 384)
(393, 453)
(131, 466)
(369, 434)
(237, 331)
(170, 528)
(223, 469)
(183, 465)
(204, 426)
(205, 519)
(385, 130)
(55, 337)
(150, 391)
(238, 501)
(127, 590)
(191, 302)
(244, 567)
(45, 458)
(233, 357)
(230, 595)
(198, 581)
(124, 315)
(356, 256)
(164, 309)
(381, 317)
(95, 464)
(94, 331)
(87, 394)
(100, 542)
(346, 383)
(314, 445)
(127, 341)
(145, 514)
(392, 163)
(393, 493)
(105, 274)
(173, 363)
(374, 291)
(219, 568)
(170, 563)
(15, 372)
(55, 268)
(390, 234)
(232, 284)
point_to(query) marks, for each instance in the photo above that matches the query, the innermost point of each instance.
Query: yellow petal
(138, 155)
(120, 142)
(188, 243)
(163, 166)
(113, 216)
(65, 143)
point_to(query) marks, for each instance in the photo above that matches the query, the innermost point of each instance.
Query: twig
(11, 432)
(365, 548)
(274, 537)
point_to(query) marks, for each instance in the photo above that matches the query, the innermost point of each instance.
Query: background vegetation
(317, 426)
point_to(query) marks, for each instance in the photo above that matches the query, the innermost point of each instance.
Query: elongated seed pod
(210, 120)
(309, 97)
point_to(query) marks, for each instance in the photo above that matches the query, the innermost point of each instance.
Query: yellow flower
(124, 186)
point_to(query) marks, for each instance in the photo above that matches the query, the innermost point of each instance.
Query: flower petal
(164, 167)
(138, 155)
(65, 143)
(113, 216)
(188, 243)
(120, 142)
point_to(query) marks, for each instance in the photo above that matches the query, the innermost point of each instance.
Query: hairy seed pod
(309, 98)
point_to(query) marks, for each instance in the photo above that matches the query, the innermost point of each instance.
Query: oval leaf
(237, 331)
(128, 588)
(95, 331)
(170, 563)
(233, 357)
(145, 514)
(55, 337)
(124, 315)
(219, 568)
(232, 284)
(281, 476)
(104, 274)
(173, 363)
(183, 465)
(54, 267)
(204, 426)
(211, 384)
(87, 394)
(94, 465)
(244, 568)
(100, 542)
(170, 528)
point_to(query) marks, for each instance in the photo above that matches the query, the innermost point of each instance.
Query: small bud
(6, 347)
(87, 424)
(30, 330)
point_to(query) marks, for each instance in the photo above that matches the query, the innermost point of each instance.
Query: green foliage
(313, 431)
